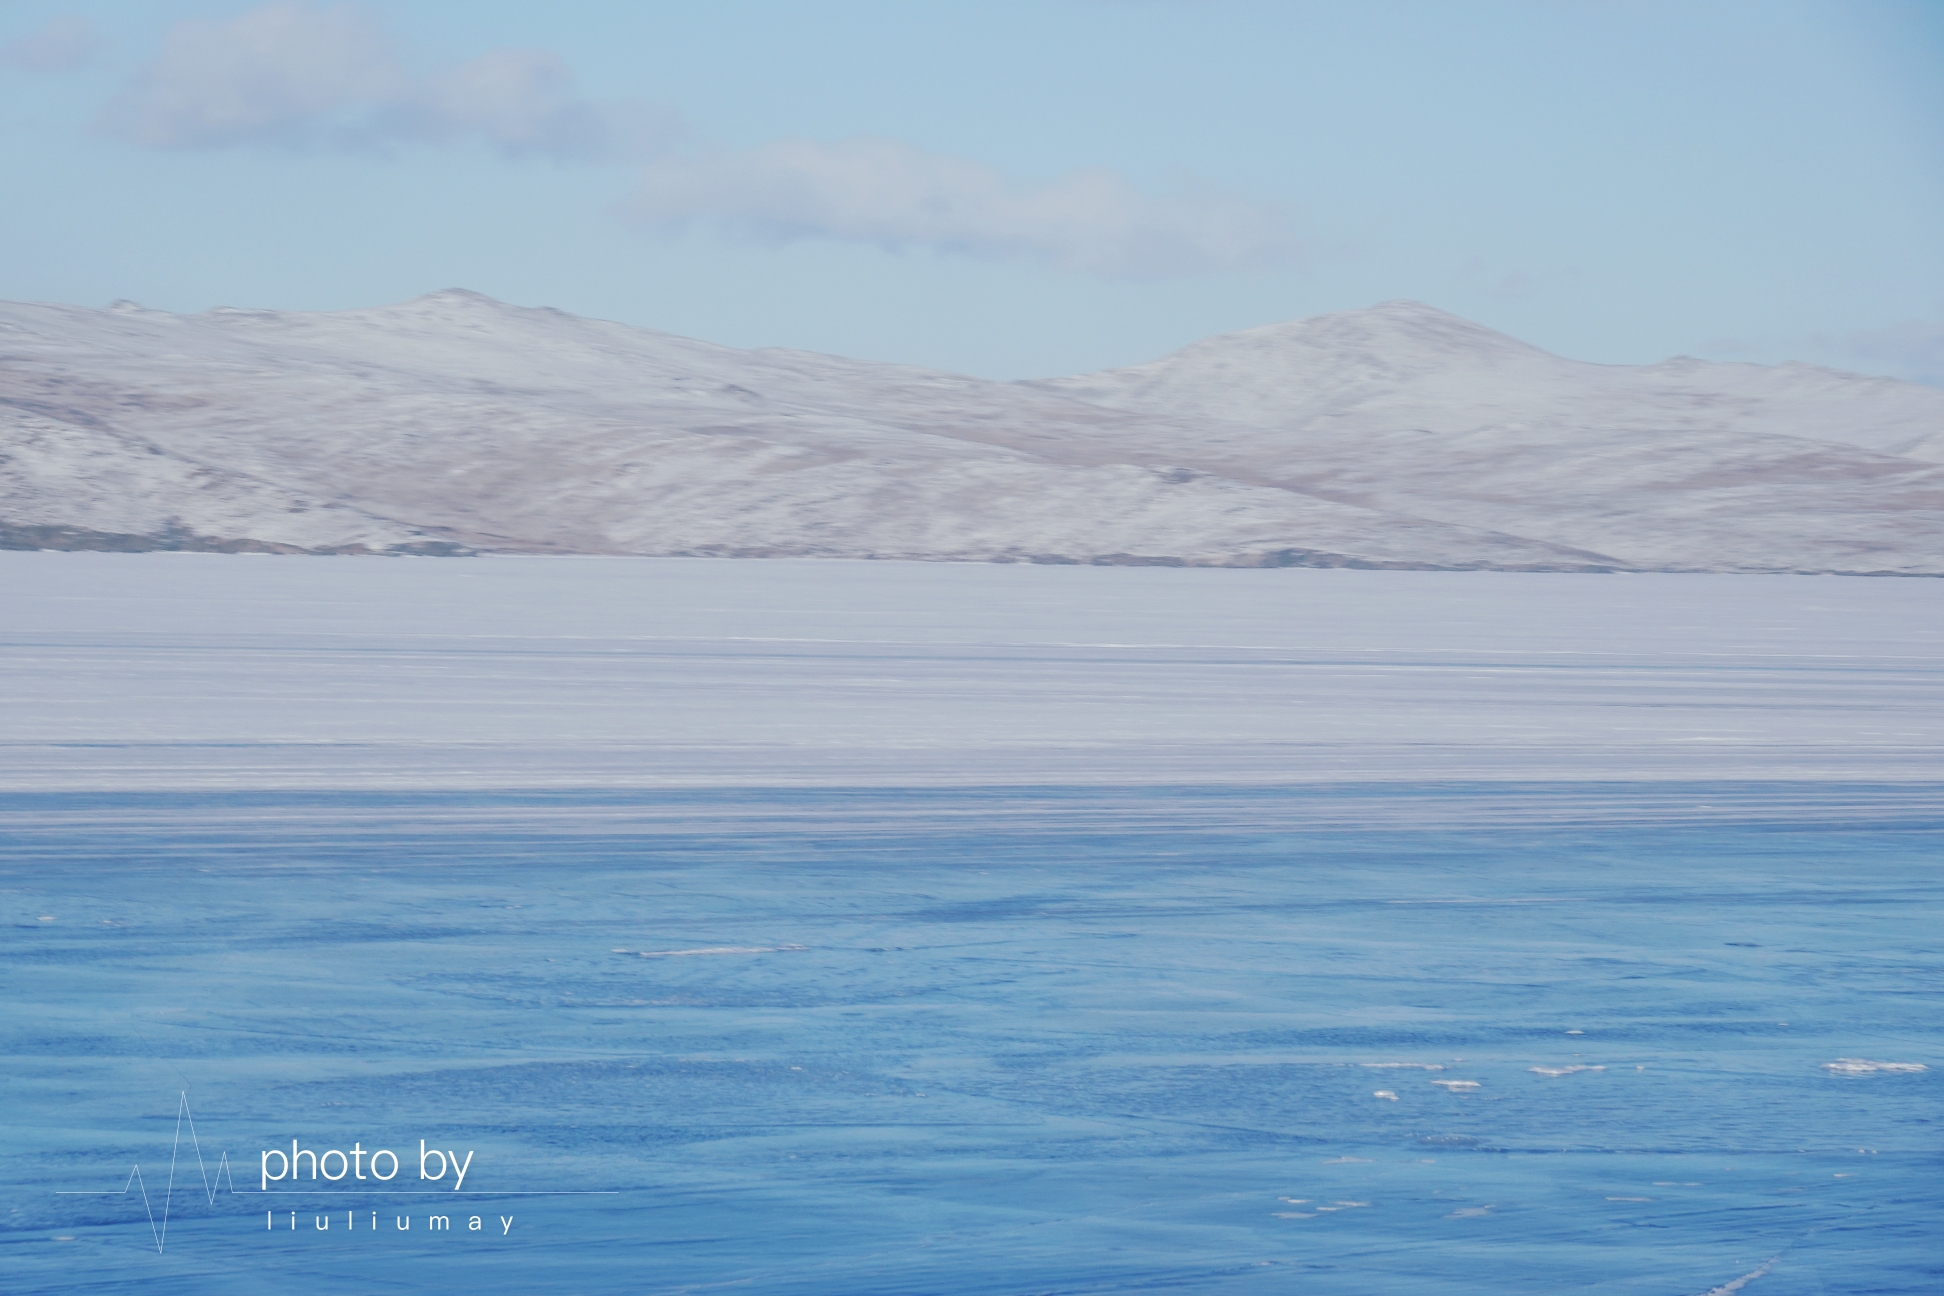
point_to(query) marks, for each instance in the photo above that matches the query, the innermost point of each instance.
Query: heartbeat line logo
(160, 1231)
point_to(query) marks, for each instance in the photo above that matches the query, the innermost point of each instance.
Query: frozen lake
(857, 928)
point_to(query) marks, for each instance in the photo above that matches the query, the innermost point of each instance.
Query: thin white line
(136, 1176)
(169, 1196)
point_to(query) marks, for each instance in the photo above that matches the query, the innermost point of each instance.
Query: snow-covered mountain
(1394, 436)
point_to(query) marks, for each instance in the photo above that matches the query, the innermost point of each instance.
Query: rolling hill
(1397, 436)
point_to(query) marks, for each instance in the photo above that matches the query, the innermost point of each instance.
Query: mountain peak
(1268, 374)
(1403, 306)
(1402, 332)
(461, 298)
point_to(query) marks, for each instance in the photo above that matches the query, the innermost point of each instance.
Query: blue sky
(1007, 189)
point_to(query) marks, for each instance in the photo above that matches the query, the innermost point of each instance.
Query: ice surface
(1394, 436)
(213, 671)
(1020, 928)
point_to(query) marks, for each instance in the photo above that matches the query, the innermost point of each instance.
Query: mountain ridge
(1395, 436)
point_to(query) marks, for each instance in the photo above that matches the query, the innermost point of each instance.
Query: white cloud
(279, 74)
(520, 101)
(66, 43)
(896, 196)
(292, 75)
(296, 75)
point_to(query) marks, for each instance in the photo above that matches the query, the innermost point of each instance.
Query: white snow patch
(714, 949)
(1865, 1066)
(1734, 1285)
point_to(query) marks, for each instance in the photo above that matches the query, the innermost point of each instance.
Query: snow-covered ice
(213, 671)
